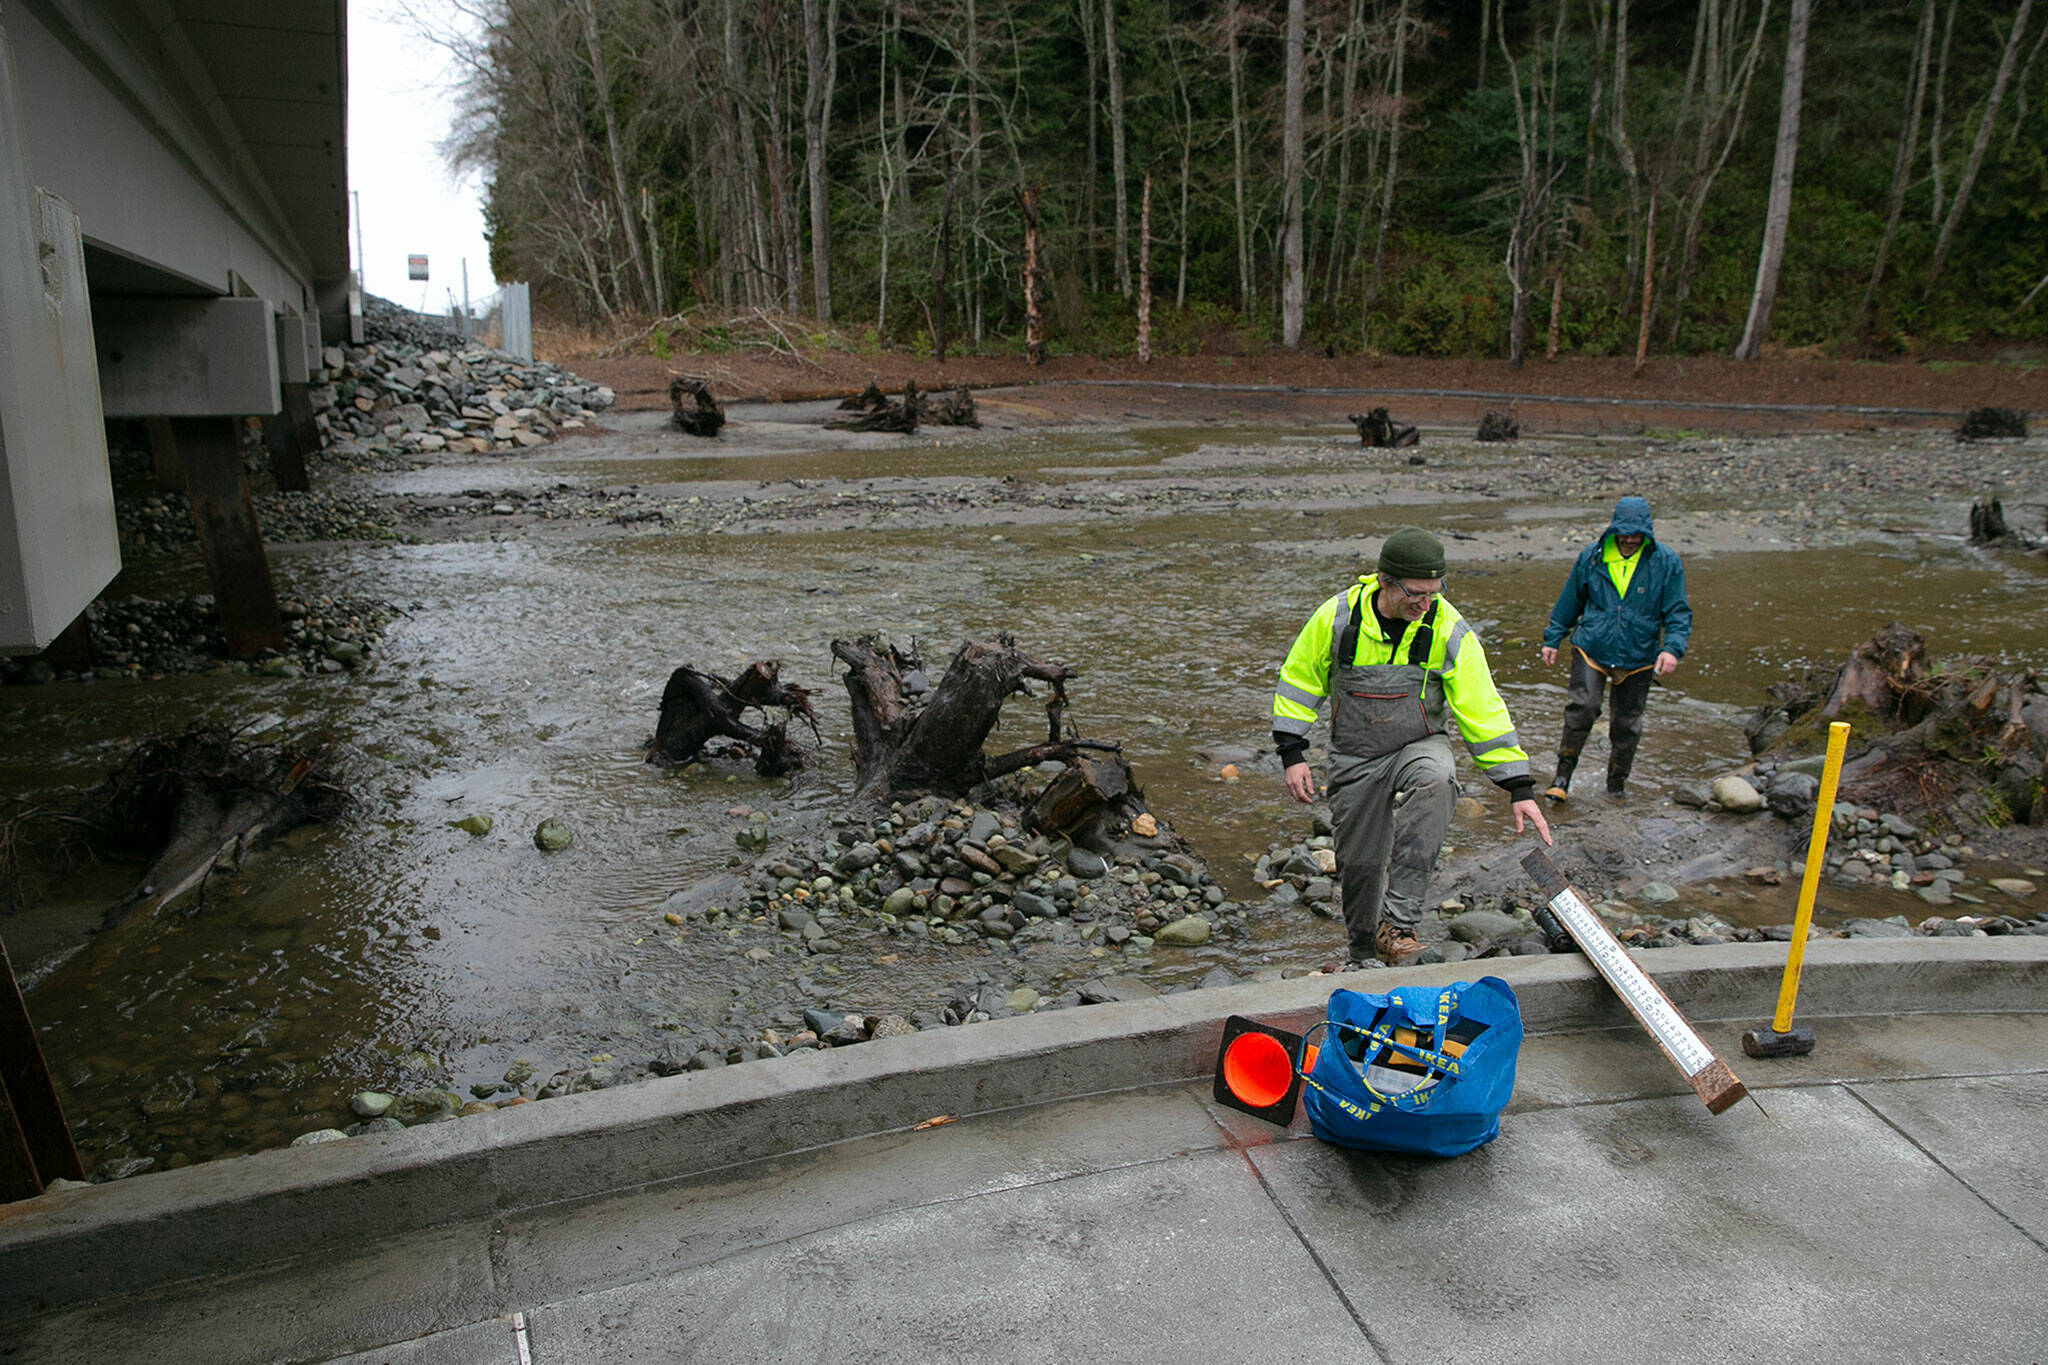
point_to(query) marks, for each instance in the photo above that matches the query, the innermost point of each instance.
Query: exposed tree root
(697, 708)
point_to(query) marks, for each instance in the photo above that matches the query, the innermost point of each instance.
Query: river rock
(477, 825)
(552, 836)
(1108, 989)
(1082, 863)
(1876, 928)
(2013, 886)
(1736, 795)
(386, 1124)
(1792, 795)
(318, 1135)
(1656, 893)
(1187, 932)
(423, 1106)
(1475, 925)
(900, 902)
(369, 1104)
(1023, 1000)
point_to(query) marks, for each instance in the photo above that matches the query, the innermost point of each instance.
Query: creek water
(390, 949)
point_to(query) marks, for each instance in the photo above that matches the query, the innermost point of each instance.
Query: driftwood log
(1375, 428)
(187, 804)
(896, 416)
(220, 798)
(698, 707)
(869, 399)
(692, 408)
(911, 742)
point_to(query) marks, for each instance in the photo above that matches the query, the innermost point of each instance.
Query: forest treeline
(1449, 177)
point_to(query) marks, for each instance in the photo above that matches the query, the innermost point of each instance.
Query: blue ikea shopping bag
(1421, 1069)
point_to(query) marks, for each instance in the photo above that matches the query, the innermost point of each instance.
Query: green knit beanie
(1412, 552)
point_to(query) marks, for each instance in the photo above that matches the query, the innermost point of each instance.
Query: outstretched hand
(1301, 783)
(1524, 812)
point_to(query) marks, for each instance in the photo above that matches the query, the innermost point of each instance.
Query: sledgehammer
(1781, 1039)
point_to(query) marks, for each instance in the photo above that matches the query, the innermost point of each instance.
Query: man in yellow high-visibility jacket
(1397, 664)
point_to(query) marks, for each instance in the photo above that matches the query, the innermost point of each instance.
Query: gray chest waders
(1387, 739)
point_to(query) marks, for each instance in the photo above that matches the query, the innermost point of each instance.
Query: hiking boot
(1397, 947)
(1556, 793)
(1616, 796)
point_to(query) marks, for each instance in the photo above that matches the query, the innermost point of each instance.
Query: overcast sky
(398, 110)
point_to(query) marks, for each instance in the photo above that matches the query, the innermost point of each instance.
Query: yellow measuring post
(1816, 850)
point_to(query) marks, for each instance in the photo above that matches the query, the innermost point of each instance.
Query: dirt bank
(1569, 394)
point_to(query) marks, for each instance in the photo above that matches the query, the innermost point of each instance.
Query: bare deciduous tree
(1779, 210)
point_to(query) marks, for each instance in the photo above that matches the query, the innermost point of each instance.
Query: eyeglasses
(1414, 595)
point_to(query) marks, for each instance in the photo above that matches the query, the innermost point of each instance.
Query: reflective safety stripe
(1288, 725)
(1507, 741)
(1300, 696)
(1458, 634)
(1499, 771)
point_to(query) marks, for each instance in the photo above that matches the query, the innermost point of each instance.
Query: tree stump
(1499, 426)
(907, 743)
(1885, 674)
(1375, 428)
(697, 708)
(693, 409)
(1987, 523)
(1992, 424)
(953, 409)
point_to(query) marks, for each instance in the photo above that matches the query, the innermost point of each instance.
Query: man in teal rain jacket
(1625, 612)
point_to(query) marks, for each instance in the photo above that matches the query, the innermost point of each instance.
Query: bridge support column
(229, 538)
(289, 434)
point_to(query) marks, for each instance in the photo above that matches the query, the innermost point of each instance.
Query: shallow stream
(390, 949)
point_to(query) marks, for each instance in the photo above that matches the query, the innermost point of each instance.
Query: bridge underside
(173, 247)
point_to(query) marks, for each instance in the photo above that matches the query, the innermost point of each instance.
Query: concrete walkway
(1092, 1202)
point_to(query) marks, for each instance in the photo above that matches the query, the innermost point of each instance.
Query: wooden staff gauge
(1706, 1073)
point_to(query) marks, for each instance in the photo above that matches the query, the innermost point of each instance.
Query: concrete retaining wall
(72, 1246)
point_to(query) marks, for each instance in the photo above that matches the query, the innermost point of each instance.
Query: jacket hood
(1631, 518)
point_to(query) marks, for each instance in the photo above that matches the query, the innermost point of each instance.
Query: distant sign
(415, 267)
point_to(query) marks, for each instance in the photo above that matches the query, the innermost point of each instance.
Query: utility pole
(356, 197)
(465, 299)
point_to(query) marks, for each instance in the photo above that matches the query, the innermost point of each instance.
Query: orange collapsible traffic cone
(1256, 1069)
